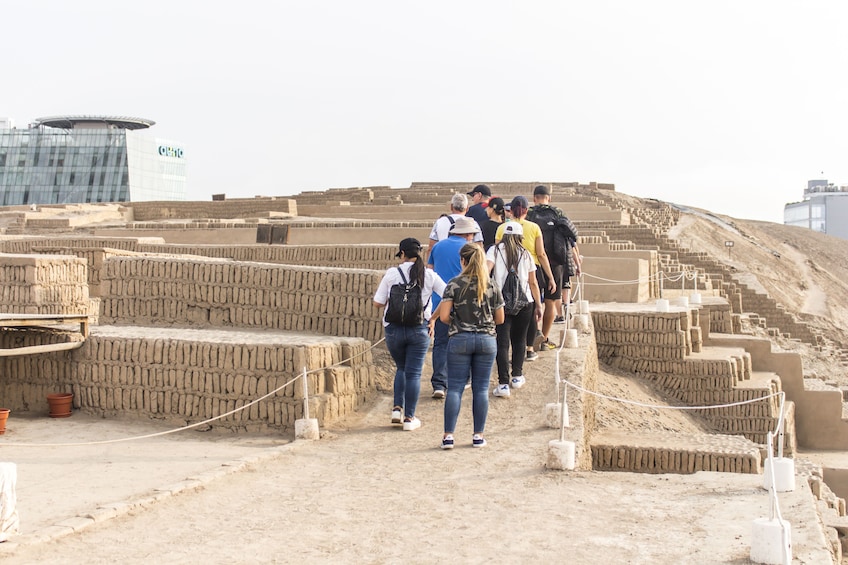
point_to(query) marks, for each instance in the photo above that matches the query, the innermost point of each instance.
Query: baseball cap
(482, 189)
(513, 228)
(410, 247)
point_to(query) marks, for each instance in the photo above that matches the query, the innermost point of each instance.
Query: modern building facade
(76, 159)
(824, 209)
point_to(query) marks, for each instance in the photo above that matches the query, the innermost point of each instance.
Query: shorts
(558, 271)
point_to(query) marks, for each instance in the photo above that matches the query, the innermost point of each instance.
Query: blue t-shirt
(444, 257)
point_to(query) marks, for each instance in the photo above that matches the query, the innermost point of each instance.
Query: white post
(562, 454)
(306, 427)
(303, 380)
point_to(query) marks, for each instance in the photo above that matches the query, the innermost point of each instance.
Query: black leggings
(513, 332)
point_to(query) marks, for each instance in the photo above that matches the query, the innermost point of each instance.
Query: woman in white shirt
(408, 345)
(506, 255)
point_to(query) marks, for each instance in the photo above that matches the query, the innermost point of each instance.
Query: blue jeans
(408, 346)
(474, 352)
(440, 356)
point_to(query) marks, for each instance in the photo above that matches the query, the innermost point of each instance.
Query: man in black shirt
(480, 196)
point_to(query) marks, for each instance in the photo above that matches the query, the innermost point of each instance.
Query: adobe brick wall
(43, 284)
(184, 375)
(231, 208)
(661, 347)
(169, 291)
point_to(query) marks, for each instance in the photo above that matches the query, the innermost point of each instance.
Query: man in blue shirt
(444, 259)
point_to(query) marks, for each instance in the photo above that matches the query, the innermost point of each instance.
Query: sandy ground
(368, 492)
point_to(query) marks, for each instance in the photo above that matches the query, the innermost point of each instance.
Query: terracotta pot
(4, 415)
(60, 404)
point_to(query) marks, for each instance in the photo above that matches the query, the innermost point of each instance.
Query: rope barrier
(779, 425)
(204, 422)
(659, 276)
(663, 407)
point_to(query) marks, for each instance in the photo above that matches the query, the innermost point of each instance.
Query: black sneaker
(559, 320)
(532, 356)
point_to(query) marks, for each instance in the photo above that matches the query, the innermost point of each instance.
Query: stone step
(672, 452)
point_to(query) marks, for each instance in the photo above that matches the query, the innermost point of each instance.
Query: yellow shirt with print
(531, 232)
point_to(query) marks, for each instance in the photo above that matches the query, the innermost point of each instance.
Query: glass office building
(76, 159)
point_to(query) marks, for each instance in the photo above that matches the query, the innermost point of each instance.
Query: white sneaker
(518, 381)
(397, 415)
(501, 390)
(410, 424)
(447, 442)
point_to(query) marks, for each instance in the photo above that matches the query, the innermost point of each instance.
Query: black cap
(497, 204)
(482, 189)
(541, 189)
(410, 247)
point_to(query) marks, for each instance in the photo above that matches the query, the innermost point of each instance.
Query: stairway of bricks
(650, 231)
(666, 349)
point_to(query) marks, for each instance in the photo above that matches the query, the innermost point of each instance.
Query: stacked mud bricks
(659, 346)
(162, 291)
(44, 284)
(359, 256)
(671, 453)
(189, 376)
(186, 339)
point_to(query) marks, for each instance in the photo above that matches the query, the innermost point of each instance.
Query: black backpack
(558, 233)
(515, 299)
(404, 306)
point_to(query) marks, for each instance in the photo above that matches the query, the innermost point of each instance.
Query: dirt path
(371, 493)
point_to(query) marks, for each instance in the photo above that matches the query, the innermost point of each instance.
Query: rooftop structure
(94, 122)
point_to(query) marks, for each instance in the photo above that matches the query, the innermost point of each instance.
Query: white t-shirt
(432, 283)
(443, 225)
(497, 256)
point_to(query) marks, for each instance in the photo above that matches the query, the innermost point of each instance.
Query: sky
(729, 106)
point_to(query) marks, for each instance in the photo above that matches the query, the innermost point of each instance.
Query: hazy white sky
(726, 105)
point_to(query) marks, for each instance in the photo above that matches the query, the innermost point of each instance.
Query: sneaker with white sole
(518, 381)
(410, 424)
(532, 356)
(397, 415)
(478, 441)
(501, 390)
(447, 442)
(559, 320)
(438, 394)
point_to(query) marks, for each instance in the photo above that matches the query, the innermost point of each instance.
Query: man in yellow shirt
(535, 245)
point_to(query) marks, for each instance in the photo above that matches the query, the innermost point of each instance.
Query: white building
(824, 209)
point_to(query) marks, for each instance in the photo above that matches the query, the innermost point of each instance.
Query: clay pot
(60, 404)
(4, 415)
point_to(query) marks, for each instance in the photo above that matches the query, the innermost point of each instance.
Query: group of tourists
(495, 280)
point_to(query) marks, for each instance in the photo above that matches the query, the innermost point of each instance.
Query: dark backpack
(515, 299)
(404, 306)
(558, 232)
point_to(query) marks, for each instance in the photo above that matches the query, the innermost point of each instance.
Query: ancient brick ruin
(203, 306)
